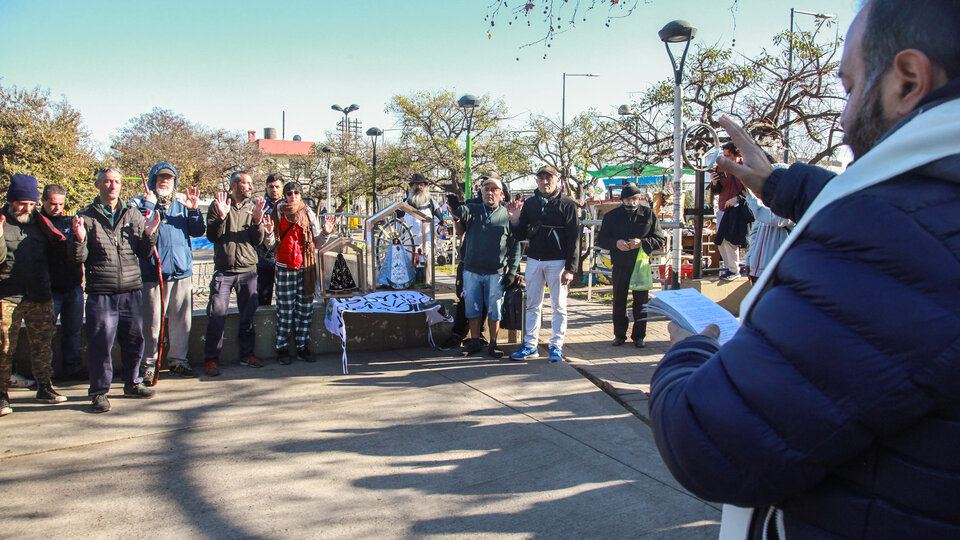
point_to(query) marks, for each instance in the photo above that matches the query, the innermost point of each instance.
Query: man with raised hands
(236, 227)
(109, 238)
(835, 409)
(168, 272)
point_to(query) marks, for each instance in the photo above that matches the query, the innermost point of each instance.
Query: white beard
(418, 200)
(164, 194)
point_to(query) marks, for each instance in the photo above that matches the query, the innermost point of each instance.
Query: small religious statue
(396, 271)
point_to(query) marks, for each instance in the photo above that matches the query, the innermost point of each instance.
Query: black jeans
(621, 286)
(221, 286)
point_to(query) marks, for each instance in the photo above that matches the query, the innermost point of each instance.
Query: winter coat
(489, 246)
(838, 400)
(177, 225)
(25, 272)
(618, 224)
(65, 275)
(235, 238)
(111, 253)
(734, 226)
(553, 229)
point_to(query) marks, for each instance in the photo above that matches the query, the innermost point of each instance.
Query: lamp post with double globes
(328, 152)
(677, 32)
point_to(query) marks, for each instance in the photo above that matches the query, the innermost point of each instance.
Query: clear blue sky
(237, 65)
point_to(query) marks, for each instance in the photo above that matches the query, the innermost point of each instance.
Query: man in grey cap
(486, 230)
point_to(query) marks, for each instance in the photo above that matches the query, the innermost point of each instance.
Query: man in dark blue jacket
(836, 406)
(168, 273)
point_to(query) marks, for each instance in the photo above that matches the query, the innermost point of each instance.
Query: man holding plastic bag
(631, 232)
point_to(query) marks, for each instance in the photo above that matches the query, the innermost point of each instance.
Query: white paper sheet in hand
(693, 311)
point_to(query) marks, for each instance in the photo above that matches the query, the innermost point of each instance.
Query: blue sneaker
(524, 353)
(556, 355)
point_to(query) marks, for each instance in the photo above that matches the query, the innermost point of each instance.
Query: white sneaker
(19, 381)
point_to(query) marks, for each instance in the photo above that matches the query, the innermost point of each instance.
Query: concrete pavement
(412, 443)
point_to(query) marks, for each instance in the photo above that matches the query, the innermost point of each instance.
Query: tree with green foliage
(45, 139)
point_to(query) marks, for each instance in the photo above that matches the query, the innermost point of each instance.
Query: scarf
(296, 213)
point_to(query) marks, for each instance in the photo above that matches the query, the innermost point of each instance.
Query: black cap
(418, 178)
(629, 190)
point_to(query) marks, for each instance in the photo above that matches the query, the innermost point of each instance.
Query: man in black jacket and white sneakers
(625, 231)
(109, 239)
(550, 221)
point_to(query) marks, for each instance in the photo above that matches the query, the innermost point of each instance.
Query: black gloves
(453, 202)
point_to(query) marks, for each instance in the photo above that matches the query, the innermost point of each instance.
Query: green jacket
(488, 245)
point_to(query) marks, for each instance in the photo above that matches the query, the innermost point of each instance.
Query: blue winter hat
(23, 187)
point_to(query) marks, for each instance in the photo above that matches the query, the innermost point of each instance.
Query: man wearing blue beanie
(25, 287)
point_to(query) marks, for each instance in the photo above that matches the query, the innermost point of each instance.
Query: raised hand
(267, 226)
(192, 200)
(220, 203)
(328, 224)
(756, 168)
(78, 228)
(259, 209)
(152, 223)
(513, 210)
(148, 195)
(3, 220)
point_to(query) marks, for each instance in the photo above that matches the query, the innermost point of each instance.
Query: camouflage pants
(39, 320)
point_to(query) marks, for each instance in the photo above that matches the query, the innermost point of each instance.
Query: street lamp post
(373, 133)
(677, 32)
(328, 152)
(469, 104)
(346, 140)
(563, 115)
(786, 130)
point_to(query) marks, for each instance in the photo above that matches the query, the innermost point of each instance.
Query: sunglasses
(292, 193)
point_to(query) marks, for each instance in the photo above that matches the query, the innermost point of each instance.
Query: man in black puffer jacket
(109, 239)
(835, 408)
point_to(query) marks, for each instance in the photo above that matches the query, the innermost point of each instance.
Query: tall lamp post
(469, 104)
(328, 152)
(786, 131)
(373, 133)
(677, 32)
(346, 121)
(563, 114)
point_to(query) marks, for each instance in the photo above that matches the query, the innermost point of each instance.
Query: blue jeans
(480, 289)
(69, 307)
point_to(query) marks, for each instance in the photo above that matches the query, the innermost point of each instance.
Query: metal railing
(657, 258)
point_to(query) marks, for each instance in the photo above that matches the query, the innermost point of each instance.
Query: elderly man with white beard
(419, 197)
(168, 273)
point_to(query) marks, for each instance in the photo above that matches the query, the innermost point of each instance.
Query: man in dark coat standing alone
(625, 231)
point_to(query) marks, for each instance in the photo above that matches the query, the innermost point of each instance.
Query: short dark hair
(929, 26)
(235, 177)
(53, 189)
(277, 177)
(731, 147)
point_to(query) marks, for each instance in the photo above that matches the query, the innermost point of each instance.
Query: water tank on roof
(269, 133)
(297, 138)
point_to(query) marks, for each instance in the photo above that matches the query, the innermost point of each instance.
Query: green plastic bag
(642, 277)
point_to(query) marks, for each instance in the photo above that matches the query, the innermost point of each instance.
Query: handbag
(642, 278)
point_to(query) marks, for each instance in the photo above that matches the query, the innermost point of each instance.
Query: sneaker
(494, 351)
(19, 381)
(556, 355)
(211, 368)
(473, 347)
(304, 354)
(251, 361)
(183, 370)
(525, 353)
(148, 375)
(729, 276)
(5, 407)
(283, 356)
(138, 390)
(638, 343)
(47, 394)
(618, 341)
(100, 403)
(452, 342)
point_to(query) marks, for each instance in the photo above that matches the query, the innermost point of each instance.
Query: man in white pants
(550, 221)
